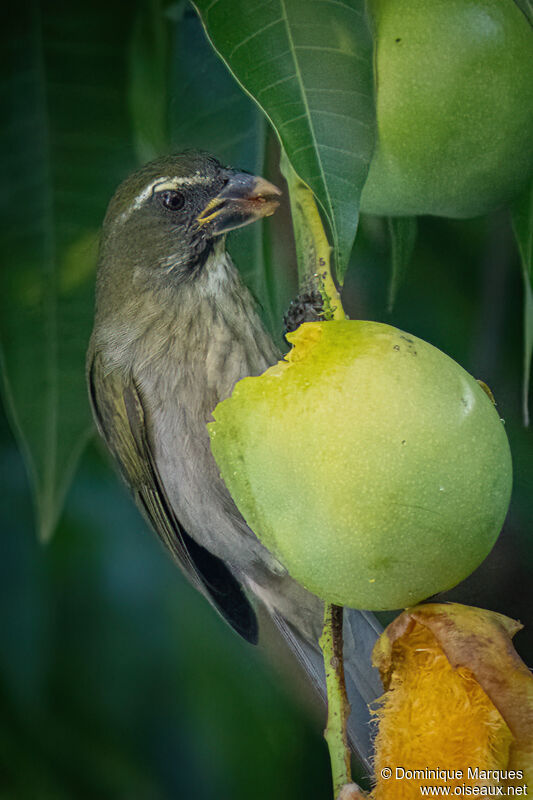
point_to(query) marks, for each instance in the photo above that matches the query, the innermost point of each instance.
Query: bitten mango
(368, 462)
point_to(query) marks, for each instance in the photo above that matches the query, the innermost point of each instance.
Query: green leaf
(308, 65)
(526, 7)
(148, 78)
(62, 153)
(522, 219)
(208, 111)
(402, 232)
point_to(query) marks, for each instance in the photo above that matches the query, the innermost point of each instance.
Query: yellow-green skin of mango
(454, 95)
(371, 464)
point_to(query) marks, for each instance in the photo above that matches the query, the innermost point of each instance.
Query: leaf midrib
(309, 117)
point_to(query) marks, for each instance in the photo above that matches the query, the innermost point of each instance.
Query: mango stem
(314, 273)
(338, 708)
(312, 247)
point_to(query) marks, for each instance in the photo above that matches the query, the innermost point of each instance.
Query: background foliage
(116, 679)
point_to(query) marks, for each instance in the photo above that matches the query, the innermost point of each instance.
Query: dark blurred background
(117, 680)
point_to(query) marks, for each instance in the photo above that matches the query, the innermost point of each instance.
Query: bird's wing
(121, 418)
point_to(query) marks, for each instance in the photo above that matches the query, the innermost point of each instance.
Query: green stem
(314, 273)
(338, 707)
(312, 247)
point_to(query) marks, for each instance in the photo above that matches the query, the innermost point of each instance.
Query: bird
(175, 328)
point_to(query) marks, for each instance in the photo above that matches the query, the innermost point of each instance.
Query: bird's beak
(244, 199)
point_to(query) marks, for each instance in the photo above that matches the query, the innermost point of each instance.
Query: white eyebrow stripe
(160, 185)
(190, 180)
(141, 197)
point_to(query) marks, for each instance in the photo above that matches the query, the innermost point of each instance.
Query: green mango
(368, 462)
(454, 93)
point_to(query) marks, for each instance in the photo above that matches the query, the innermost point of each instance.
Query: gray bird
(175, 328)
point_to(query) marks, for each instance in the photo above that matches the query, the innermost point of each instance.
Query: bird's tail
(363, 684)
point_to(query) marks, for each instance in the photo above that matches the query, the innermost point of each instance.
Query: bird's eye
(172, 200)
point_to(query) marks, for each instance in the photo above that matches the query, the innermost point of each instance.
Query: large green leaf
(522, 218)
(63, 149)
(308, 64)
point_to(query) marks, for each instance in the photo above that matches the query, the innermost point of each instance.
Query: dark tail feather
(363, 685)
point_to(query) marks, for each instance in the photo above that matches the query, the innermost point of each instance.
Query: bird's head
(165, 219)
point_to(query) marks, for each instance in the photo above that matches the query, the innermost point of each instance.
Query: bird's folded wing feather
(121, 418)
